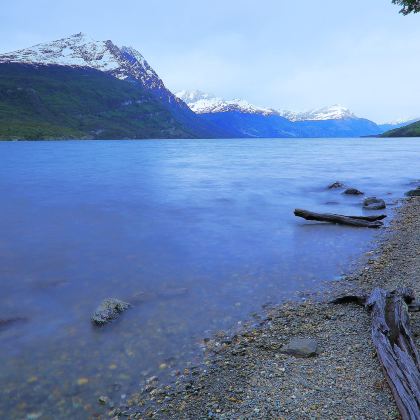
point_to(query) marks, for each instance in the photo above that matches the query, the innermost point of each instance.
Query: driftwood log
(394, 343)
(358, 221)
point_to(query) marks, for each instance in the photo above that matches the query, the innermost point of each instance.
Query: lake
(198, 234)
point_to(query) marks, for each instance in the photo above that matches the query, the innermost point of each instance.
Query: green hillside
(411, 130)
(58, 102)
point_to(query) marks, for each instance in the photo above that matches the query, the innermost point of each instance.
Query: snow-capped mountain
(83, 58)
(237, 116)
(204, 103)
(254, 121)
(335, 112)
(79, 50)
(131, 100)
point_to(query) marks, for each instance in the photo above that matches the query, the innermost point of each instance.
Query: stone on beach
(301, 347)
(108, 310)
(103, 400)
(373, 203)
(353, 191)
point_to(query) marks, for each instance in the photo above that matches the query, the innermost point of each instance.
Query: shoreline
(245, 375)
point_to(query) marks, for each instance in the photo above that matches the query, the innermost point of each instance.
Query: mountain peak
(191, 96)
(79, 50)
(204, 103)
(333, 112)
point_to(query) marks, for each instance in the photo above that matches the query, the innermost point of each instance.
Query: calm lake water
(199, 234)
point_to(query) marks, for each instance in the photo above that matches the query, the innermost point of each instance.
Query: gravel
(245, 375)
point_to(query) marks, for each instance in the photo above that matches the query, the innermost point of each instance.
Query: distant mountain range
(80, 88)
(253, 121)
(204, 103)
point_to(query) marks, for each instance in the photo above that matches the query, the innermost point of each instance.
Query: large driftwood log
(369, 218)
(358, 221)
(396, 349)
(395, 346)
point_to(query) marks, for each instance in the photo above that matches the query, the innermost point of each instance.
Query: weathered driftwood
(369, 218)
(361, 297)
(358, 299)
(396, 349)
(358, 221)
(395, 346)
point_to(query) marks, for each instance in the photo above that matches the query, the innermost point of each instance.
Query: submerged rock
(4, 323)
(141, 297)
(301, 347)
(332, 203)
(169, 293)
(413, 193)
(373, 203)
(108, 310)
(353, 191)
(336, 184)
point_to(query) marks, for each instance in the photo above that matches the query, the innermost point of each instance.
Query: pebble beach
(247, 374)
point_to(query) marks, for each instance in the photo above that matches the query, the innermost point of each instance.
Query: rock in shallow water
(336, 184)
(301, 347)
(413, 193)
(4, 323)
(108, 310)
(373, 203)
(353, 191)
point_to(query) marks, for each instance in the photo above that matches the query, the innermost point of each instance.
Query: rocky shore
(248, 374)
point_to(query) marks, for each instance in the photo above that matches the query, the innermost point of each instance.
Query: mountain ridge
(61, 102)
(122, 63)
(79, 50)
(140, 93)
(410, 130)
(202, 103)
(254, 121)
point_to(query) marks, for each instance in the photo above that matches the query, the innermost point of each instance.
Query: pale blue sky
(283, 54)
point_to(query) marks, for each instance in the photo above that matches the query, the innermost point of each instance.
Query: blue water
(198, 233)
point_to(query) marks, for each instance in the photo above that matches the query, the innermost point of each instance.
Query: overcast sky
(283, 54)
